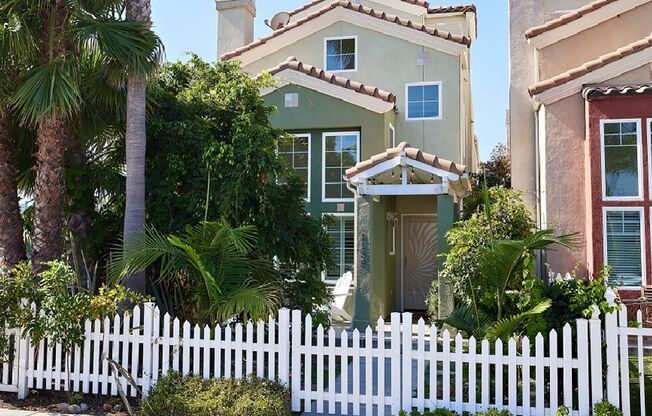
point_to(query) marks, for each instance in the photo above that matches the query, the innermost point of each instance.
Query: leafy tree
(227, 279)
(215, 157)
(497, 172)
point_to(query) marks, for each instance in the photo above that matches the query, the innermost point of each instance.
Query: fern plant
(227, 277)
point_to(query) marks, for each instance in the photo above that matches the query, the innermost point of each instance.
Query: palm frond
(47, 89)
(464, 319)
(249, 302)
(511, 325)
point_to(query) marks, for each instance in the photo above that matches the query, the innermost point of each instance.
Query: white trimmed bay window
(624, 245)
(341, 151)
(621, 160)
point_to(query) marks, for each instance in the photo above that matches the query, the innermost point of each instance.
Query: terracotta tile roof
(464, 40)
(591, 66)
(616, 90)
(412, 153)
(469, 8)
(567, 18)
(306, 6)
(296, 65)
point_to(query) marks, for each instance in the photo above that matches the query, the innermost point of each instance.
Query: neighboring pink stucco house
(581, 129)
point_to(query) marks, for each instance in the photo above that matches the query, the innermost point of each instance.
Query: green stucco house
(376, 96)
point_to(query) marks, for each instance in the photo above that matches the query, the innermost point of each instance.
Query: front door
(419, 259)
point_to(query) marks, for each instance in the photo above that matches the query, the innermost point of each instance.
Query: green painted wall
(389, 63)
(319, 113)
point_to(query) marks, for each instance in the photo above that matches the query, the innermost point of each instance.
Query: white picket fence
(394, 366)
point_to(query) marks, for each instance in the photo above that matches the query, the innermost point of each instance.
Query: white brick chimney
(235, 24)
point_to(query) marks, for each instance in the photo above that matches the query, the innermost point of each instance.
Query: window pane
(340, 54)
(620, 163)
(415, 93)
(623, 231)
(342, 249)
(341, 153)
(294, 152)
(431, 93)
(300, 160)
(423, 101)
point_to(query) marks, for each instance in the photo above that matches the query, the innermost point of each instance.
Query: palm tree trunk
(50, 191)
(137, 10)
(12, 245)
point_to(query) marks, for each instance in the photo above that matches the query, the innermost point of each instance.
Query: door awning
(405, 170)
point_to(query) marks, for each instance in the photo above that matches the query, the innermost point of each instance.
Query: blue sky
(190, 25)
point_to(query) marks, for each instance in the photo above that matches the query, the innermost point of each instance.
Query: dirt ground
(47, 401)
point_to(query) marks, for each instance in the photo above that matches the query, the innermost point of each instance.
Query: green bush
(562, 411)
(175, 395)
(604, 408)
(510, 219)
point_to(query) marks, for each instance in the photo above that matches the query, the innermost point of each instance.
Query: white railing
(378, 371)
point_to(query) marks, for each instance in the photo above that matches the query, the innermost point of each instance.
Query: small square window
(340, 54)
(291, 100)
(423, 101)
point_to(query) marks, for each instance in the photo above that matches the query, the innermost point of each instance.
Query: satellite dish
(278, 21)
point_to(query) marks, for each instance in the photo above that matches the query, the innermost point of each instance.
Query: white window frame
(639, 145)
(392, 136)
(424, 84)
(324, 273)
(323, 162)
(641, 210)
(355, 61)
(309, 136)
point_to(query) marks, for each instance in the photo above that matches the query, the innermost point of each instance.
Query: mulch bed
(47, 401)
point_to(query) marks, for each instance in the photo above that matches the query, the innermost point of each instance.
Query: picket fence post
(296, 360)
(595, 331)
(22, 346)
(611, 338)
(284, 346)
(148, 345)
(407, 362)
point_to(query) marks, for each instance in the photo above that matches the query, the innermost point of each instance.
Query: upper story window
(295, 150)
(341, 54)
(423, 101)
(621, 159)
(341, 152)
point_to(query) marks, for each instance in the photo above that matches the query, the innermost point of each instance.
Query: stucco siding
(565, 179)
(599, 40)
(390, 63)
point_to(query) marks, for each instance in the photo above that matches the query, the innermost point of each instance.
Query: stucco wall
(599, 40)
(565, 182)
(524, 14)
(389, 63)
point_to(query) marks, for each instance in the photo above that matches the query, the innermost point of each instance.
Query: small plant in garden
(562, 411)
(176, 395)
(446, 412)
(504, 269)
(228, 279)
(604, 408)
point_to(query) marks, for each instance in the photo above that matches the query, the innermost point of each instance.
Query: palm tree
(136, 138)
(49, 94)
(227, 278)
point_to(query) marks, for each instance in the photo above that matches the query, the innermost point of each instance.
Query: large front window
(341, 54)
(624, 245)
(341, 232)
(295, 150)
(341, 152)
(621, 159)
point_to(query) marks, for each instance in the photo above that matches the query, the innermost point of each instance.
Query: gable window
(623, 241)
(341, 232)
(341, 152)
(295, 150)
(341, 54)
(423, 101)
(621, 159)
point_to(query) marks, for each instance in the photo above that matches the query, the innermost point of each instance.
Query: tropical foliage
(215, 151)
(496, 172)
(226, 278)
(498, 295)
